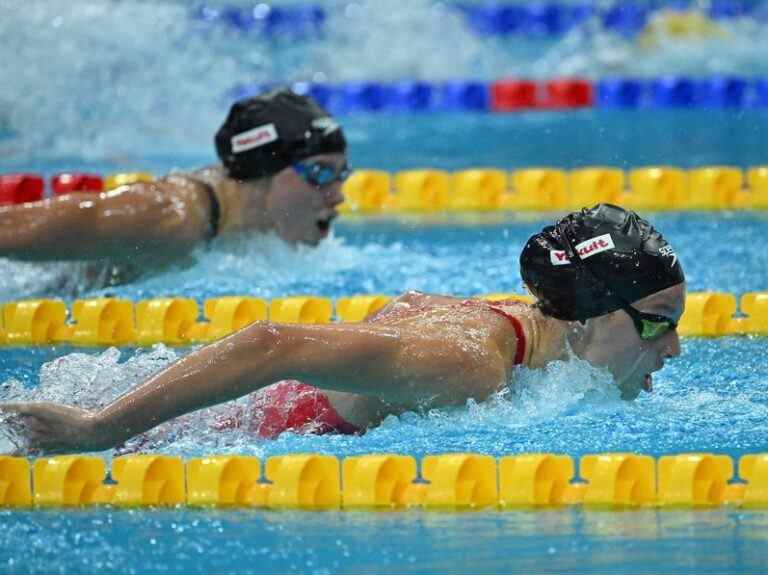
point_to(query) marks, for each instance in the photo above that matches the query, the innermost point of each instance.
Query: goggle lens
(321, 175)
(652, 329)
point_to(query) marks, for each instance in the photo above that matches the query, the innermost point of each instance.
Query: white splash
(92, 381)
(254, 263)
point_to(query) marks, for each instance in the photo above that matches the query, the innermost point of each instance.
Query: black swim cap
(593, 261)
(266, 133)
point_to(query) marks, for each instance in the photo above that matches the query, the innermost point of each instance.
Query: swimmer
(609, 288)
(283, 159)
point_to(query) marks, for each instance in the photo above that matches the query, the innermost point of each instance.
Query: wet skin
(422, 351)
(301, 212)
(167, 218)
(611, 341)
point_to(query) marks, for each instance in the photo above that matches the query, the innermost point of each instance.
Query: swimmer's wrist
(103, 431)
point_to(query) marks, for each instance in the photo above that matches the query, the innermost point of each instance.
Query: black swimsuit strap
(215, 215)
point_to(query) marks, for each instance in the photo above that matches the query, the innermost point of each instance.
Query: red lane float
(67, 183)
(568, 93)
(507, 95)
(21, 188)
(511, 95)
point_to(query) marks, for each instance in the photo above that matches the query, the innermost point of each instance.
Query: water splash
(20, 279)
(92, 381)
(101, 79)
(256, 264)
(110, 80)
(85, 380)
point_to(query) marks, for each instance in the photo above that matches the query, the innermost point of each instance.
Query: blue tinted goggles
(321, 175)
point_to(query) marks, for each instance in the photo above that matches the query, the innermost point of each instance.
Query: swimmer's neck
(547, 339)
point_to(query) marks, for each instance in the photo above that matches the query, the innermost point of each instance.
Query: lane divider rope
(522, 94)
(175, 320)
(652, 188)
(533, 20)
(451, 481)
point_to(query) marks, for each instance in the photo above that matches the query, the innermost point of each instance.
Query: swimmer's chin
(630, 390)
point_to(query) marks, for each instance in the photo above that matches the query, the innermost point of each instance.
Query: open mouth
(324, 224)
(648, 383)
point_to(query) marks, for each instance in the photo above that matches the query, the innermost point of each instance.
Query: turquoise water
(132, 85)
(326, 543)
(686, 138)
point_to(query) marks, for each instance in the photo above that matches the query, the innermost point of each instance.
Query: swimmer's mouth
(648, 383)
(324, 225)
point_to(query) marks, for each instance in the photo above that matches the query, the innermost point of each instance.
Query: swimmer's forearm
(345, 358)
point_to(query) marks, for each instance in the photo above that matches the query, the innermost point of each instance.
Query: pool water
(124, 86)
(327, 543)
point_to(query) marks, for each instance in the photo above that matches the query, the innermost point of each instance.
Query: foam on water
(257, 264)
(712, 398)
(117, 80)
(22, 279)
(92, 381)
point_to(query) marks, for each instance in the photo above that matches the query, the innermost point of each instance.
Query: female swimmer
(610, 289)
(283, 159)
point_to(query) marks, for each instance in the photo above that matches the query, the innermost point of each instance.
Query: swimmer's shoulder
(205, 179)
(204, 186)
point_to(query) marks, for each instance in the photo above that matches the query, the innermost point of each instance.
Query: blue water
(460, 255)
(117, 86)
(626, 139)
(328, 543)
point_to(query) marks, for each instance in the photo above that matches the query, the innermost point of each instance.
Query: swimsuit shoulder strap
(499, 307)
(215, 205)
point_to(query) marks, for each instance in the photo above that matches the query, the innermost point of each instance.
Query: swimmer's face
(300, 211)
(612, 341)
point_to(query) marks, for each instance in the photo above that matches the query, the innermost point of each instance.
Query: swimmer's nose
(672, 345)
(334, 196)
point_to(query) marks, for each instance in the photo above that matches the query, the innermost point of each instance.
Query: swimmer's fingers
(48, 427)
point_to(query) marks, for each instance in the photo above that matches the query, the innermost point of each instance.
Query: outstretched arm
(384, 361)
(129, 220)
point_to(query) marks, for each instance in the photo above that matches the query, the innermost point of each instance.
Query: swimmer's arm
(382, 361)
(130, 220)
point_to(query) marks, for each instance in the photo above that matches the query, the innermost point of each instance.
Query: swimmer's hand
(50, 428)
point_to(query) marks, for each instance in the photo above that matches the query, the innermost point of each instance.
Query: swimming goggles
(649, 326)
(321, 175)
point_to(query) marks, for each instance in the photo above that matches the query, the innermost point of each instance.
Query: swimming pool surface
(386, 543)
(125, 86)
(713, 398)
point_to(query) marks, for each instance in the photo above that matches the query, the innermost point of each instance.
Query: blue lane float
(672, 92)
(760, 95)
(721, 9)
(461, 95)
(619, 93)
(417, 96)
(722, 92)
(294, 21)
(534, 19)
(547, 19)
(626, 19)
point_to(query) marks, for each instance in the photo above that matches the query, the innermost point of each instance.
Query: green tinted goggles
(649, 326)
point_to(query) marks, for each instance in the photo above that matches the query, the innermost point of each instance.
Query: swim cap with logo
(266, 133)
(593, 262)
